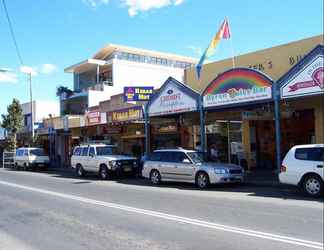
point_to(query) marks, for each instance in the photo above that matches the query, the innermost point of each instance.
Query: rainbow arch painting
(238, 85)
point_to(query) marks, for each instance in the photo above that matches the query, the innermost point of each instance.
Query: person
(214, 153)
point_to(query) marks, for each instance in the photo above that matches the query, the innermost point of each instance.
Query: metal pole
(202, 125)
(277, 128)
(228, 142)
(147, 131)
(31, 105)
(97, 73)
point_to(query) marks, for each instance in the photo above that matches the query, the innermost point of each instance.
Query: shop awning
(306, 78)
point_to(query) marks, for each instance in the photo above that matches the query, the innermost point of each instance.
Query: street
(59, 211)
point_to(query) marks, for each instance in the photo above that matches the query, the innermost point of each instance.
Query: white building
(115, 67)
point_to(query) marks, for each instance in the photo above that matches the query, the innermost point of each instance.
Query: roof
(96, 145)
(110, 48)
(175, 150)
(309, 146)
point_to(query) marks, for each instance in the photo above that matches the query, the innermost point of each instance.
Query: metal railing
(8, 159)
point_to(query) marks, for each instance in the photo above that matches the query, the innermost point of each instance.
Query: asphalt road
(60, 211)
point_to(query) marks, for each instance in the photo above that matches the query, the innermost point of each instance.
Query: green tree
(12, 122)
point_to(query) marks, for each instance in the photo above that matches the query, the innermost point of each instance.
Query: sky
(53, 35)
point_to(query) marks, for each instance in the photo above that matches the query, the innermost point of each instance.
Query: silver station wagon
(189, 166)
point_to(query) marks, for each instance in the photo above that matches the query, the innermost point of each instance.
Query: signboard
(309, 80)
(134, 94)
(237, 86)
(93, 117)
(127, 114)
(173, 97)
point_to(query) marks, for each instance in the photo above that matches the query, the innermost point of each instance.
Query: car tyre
(313, 185)
(80, 171)
(103, 172)
(155, 177)
(202, 180)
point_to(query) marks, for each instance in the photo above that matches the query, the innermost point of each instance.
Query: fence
(7, 159)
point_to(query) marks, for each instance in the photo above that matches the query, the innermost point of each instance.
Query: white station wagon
(102, 159)
(304, 166)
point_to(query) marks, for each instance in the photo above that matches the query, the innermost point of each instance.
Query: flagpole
(232, 50)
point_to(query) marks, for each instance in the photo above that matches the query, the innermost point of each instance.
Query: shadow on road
(280, 191)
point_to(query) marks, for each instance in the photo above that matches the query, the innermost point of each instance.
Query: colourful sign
(93, 117)
(235, 86)
(134, 94)
(309, 80)
(127, 114)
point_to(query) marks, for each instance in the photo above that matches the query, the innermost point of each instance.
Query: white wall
(42, 109)
(94, 97)
(128, 73)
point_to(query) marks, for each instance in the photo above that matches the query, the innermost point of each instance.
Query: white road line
(201, 223)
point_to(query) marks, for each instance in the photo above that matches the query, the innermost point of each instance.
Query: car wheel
(103, 173)
(155, 177)
(202, 180)
(25, 167)
(313, 185)
(80, 171)
(16, 167)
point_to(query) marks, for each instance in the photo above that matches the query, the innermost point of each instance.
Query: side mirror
(186, 161)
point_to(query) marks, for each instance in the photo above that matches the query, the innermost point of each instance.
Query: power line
(12, 32)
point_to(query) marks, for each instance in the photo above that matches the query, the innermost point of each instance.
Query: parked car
(31, 158)
(189, 166)
(303, 166)
(102, 159)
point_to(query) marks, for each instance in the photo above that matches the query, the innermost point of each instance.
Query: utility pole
(31, 105)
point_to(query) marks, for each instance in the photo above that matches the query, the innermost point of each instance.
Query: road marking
(201, 223)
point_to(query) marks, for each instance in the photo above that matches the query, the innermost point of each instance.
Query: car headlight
(112, 164)
(221, 171)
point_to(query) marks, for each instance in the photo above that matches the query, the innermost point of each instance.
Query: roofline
(93, 61)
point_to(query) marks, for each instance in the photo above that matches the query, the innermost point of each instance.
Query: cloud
(48, 68)
(196, 50)
(8, 77)
(28, 70)
(136, 6)
(95, 3)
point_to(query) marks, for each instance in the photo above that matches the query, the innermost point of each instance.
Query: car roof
(309, 146)
(96, 145)
(23, 148)
(175, 150)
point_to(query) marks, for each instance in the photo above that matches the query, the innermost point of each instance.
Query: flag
(223, 33)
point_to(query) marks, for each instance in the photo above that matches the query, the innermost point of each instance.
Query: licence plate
(127, 169)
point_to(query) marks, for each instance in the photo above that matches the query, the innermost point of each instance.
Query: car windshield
(107, 150)
(37, 152)
(196, 157)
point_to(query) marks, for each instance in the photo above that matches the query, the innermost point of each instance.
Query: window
(106, 150)
(19, 152)
(77, 151)
(84, 151)
(92, 151)
(177, 157)
(156, 156)
(310, 154)
(37, 152)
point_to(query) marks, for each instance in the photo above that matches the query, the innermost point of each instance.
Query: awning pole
(202, 126)
(147, 132)
(277, 126)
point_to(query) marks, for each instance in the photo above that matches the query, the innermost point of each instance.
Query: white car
(303, 166)
(30, 158)
(102, 159)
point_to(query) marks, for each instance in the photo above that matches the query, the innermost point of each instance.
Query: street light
(28, 71)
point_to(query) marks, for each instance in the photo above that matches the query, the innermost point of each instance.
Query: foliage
(12, 122)
(62, 89)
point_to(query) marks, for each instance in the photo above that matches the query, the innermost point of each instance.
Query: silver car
(189, 166)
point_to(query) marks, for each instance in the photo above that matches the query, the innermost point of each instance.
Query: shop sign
(167, 129)
(257, 115)
(127, 114)
(173, 99)
(93, 117)
(134, 94)
(308, 81)
(236, 86)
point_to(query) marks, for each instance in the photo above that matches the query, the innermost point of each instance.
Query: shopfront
(302, 97)
(173, 116)
(239, 118)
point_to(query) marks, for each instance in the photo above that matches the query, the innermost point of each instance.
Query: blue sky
(55, 34)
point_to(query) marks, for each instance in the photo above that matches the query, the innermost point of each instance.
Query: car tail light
(283, 169)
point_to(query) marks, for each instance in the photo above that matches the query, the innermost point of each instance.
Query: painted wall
(41, 109)
(274, 61)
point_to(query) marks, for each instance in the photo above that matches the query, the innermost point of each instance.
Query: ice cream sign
(307, 81)
(173, 98)
(235, 86)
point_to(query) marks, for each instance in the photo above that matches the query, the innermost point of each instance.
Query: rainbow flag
(223, 33)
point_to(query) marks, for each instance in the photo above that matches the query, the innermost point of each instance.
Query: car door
(92, 160)
(167, 166)
(310, 159)
(84, 158)
(183, 168)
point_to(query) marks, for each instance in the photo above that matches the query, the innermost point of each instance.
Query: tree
(12, 122)
(63, 90)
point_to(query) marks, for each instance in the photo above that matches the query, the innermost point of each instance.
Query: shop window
(310, 154)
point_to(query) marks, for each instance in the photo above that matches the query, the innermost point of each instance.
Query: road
(60, 211)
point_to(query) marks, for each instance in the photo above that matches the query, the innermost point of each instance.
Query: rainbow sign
(235, 86)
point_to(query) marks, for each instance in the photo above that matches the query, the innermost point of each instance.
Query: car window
(156, 156)
(106, 150)
(177, 157)
(84, 151)
(25, 152)
(18, 152)
(37, 152)
(77, 151)
(310, 154)
(92, 151)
